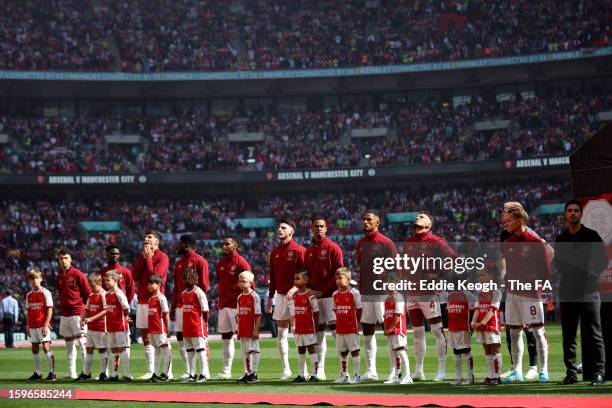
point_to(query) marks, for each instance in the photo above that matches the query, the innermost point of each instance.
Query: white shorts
(372, 312)
(429, 308)
(178, 320)
(248, 344)
(396, 341)
(347, 342)
(97, 339)
(326, 311)
(488, 337)
(195, 343)
(158, 339)
(227, 320)
(70, 326)
(305, 340)
(118, 339)
(522, 310)
(36, 335)
(142, 316)
(459, 339)
(281, 308)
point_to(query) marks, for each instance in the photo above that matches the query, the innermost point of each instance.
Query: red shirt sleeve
(272, 289)
(175, 289)
(130, 290)
(203, 273)
(84, 287)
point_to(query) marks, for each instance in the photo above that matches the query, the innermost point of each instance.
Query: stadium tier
(399, 132)
(118, 35)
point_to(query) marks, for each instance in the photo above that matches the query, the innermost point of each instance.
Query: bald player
(285, 260)
(426, 304)
(373, 244)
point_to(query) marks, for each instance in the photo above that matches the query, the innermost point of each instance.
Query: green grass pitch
(16, 365)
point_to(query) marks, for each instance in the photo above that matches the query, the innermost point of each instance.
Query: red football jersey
(249, 306)
(199, 264)
(285, 260)
(302, 307)
(116, 303)
(526, 260)
(228, 270)
(395, 305)
(37, 304)
(96, 302)
(322, 260)
(73, 290)
(346, 305)
(194, 305)
(158, 305)
(144, 268)
(458, 307)
(487, 301)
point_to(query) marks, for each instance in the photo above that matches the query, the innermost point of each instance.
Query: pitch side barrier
(305, 73)
(492, 167)
(534, 272)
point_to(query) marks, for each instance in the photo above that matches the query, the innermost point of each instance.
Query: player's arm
(292, 314)
(257, 307)
(358, 306)
(474, 323)
(47, 326)
(175, 295)
(49, 303)
(203, 274)
(97, 316)
(203, 305)
(130, 289)
(272, 286)
(84, 288)
(314, 305)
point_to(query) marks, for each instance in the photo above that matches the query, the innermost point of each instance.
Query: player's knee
(190, 350)
(199, 350)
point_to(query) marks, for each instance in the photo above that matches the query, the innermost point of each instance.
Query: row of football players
(107, 321)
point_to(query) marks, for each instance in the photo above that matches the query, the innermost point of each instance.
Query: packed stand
(208, 35)
(175, 36)
(425, 132)
(55, 35)
(315, 34)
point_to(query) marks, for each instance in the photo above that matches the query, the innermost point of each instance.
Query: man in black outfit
(580, 257)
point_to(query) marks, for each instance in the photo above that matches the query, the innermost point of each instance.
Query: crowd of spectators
(419, 132)
(30, 231)
(204, 35)
(65, 35)
(166, 35)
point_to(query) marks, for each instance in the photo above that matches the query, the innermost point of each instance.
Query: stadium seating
(161, 35)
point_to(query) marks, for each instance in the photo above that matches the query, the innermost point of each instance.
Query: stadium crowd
(30, 231)
(208, 35)
(424, 133)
